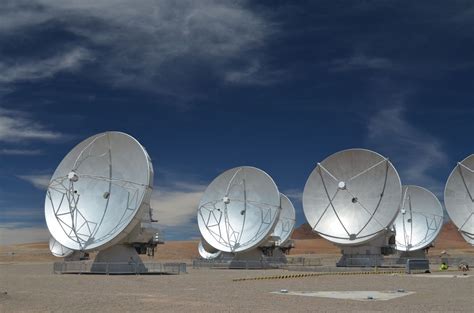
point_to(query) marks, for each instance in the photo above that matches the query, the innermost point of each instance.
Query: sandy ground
(26, 277)
(31, 287)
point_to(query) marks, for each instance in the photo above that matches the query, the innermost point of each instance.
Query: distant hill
(449, 237)
(304, 231)
(306, 242)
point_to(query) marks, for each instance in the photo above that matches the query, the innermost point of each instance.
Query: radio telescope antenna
(419, 220)
(459, 197)
(239, 209)
(286, 222)
(351, 198)
(99, 195)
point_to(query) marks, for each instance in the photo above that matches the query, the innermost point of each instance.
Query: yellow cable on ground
(317, 274)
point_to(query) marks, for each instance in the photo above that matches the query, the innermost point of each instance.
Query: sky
(209, 85)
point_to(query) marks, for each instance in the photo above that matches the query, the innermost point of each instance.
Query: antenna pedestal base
(252, 259)
(247, 259)
(361, 256)
(77, 256)
(258, 258)
(369, 254)
(118, 259)
(403, 256)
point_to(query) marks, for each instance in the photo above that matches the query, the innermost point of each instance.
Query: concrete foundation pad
(441, 276)
(350, 295)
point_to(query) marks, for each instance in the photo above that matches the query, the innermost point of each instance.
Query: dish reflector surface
(239, 209)
(58, 249)
(286, 221)
(99, 192)
(459, 197)
(352, 196)
(419, 220)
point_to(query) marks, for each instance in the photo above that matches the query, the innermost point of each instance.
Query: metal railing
(88, 267)
(302, 261)
(266, 263)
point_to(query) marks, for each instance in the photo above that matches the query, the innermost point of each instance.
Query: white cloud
(177, 205)
(243, 75)
(17, 126)
(44, 68)
(17, 14)
(294, 194)
(147, 43)
(253, 74)
(415, 153)
(21, 152)
(39, 181)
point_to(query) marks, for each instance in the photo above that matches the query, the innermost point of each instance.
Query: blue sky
(209, 85)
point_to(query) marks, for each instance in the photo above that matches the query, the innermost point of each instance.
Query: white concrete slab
(441, 276)
(350, 295)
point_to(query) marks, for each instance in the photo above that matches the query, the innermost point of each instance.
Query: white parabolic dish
(419, 220)
(239, 209)
(99, 192)
(459, 197)
(352, 196)
(286, 221)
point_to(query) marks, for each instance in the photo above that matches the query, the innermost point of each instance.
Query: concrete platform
(350, 295)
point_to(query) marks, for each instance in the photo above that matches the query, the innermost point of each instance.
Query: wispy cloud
(253, 74)
(39, 181)
(176, 205)
(294, 194)
(17, 126)
(29, 70)
(21, 152)
(153, 44)
(361, 62)
(415, 153)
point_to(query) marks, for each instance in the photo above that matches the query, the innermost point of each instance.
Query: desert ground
(27, 284)
(31, 287)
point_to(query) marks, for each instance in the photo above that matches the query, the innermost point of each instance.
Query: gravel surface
(31, 287)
